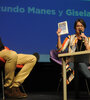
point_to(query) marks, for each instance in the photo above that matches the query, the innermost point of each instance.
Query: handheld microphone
(80, 32)
(82, 37)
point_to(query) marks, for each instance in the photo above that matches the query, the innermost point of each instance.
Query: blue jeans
(82, 67)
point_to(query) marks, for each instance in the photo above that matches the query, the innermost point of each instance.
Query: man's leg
(28, 61)
(10, 65)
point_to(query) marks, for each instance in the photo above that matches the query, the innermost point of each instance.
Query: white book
(64, 27)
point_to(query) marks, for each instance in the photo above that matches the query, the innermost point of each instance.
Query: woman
(76, 42)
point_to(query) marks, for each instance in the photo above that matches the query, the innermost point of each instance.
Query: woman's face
(79, 26)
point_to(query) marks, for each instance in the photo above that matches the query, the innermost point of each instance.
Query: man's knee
(34, 58)
(13, 55)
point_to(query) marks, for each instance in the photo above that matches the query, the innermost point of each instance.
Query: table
(63, 55)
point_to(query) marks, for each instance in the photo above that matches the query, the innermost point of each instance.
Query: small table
(75, 55)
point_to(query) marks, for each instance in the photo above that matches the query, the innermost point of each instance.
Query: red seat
(3, 61)
(19, 66)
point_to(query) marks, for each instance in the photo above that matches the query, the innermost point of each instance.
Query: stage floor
(43, 82)
(54, 96)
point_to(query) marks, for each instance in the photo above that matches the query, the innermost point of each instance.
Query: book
(64, 27)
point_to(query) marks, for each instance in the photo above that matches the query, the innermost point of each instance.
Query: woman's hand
(83, 35)
(58, 32)
(85, 41)
(59, 38)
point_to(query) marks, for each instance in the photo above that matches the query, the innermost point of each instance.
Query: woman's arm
(63, 46)
(59, 45)
(86, 41)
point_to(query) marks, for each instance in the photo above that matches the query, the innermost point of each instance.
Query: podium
(75, 55)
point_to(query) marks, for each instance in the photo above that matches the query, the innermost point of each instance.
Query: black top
(1, 45)
(80, 46)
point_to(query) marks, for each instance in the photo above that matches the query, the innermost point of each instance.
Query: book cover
(64, 27)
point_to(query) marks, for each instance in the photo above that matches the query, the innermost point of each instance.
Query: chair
(2, 63)
(54, 58)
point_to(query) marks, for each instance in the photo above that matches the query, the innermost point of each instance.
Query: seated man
(13, 82)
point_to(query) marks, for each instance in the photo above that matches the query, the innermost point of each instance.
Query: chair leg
(87, 86)
(59, 84)
(2, 85)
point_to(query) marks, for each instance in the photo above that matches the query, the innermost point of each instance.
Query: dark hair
(81, 21)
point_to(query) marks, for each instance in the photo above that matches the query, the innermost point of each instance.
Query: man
(13, 82)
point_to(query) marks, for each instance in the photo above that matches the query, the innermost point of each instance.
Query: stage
(53, 96)
(43, 84)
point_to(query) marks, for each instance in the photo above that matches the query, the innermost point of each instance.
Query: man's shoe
(37, 56)
(8, 92)
(14, 92)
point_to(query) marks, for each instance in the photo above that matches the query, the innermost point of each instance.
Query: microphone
(80, 34)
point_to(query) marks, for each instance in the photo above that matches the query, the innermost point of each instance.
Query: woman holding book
(75, 42)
